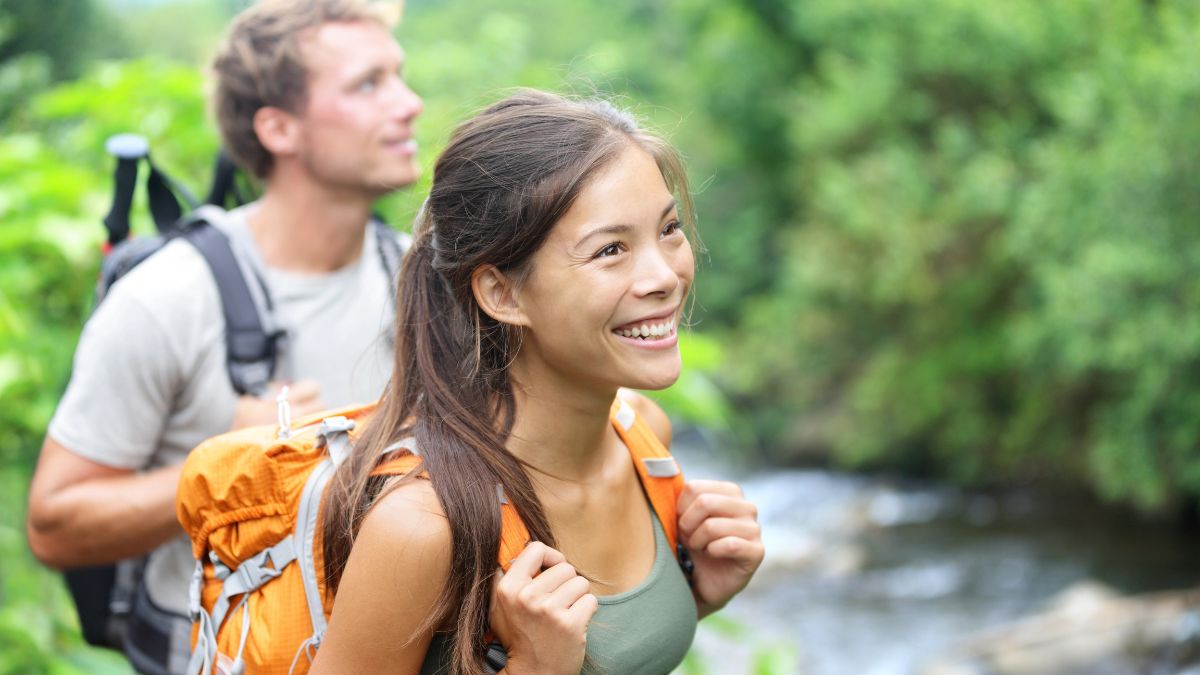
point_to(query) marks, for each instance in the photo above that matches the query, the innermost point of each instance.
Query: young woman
(550, 271)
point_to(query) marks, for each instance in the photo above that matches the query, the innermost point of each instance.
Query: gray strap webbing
(251, 575)
(333, 435)
(407, 443)
(250, 349)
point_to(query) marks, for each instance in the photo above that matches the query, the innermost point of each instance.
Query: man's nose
(404, 103)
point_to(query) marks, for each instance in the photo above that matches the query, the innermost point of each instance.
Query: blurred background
(948, 324)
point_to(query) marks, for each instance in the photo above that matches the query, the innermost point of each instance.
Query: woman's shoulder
(406, 516)
(396, 570)
(650, 412)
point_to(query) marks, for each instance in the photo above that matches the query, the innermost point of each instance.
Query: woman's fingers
(533, 559)
(584, 608)
(694, 488)
(550, 579)
(704, 506)
(717, 528)
(736, 549)
(569, 592)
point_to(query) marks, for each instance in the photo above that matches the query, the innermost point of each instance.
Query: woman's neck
(562, 430)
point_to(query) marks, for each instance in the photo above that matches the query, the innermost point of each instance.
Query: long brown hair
(506, 177)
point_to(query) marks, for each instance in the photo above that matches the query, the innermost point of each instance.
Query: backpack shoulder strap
(656, 468)
(251, 352)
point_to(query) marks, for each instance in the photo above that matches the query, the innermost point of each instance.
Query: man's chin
(395, 181)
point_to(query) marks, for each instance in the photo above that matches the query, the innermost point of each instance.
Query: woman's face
(605, 292)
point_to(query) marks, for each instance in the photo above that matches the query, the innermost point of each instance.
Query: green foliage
(950, 236)
(993, 274)
(61, 30)
(54, 187)
(696, 398)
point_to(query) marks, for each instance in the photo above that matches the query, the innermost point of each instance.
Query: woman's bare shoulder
(394, 577)
(406, 520)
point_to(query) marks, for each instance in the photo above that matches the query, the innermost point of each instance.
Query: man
(309, 97)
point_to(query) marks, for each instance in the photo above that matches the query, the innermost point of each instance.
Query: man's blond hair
(261, 63)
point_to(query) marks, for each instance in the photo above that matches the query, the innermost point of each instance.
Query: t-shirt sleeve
(124, 379)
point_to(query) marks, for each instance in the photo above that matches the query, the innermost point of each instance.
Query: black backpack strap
(251, 352)
(224, 182)
(164, 206)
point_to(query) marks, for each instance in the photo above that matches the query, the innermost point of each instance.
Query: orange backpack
(250, 501)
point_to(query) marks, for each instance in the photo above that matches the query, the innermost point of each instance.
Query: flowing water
(873, 577)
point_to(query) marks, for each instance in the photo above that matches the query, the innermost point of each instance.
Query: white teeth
(651, 330)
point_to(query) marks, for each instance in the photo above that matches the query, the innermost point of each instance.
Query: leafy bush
(992, 272)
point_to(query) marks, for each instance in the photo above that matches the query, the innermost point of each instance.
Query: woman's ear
(277, 130)
(496, 295)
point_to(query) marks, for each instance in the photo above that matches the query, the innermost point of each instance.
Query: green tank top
(646, 630)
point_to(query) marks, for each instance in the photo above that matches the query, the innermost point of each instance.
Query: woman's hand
(719, 528)
(540, 612)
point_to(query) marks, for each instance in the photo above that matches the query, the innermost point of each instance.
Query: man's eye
(368, 85)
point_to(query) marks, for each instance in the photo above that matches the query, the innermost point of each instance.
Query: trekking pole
(128, 149)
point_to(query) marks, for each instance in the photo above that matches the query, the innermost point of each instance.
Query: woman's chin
(654, 381)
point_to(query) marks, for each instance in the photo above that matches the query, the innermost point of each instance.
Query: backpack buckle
(335, 425)
(333, 435)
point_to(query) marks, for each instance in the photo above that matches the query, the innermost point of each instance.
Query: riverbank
(868, 576)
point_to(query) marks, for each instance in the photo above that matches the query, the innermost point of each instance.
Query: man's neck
(305, 228)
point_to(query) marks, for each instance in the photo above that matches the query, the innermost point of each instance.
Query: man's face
(356, 125)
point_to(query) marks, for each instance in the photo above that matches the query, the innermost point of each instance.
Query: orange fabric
(663, 492)
(239, 493)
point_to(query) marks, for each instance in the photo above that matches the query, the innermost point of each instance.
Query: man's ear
(277, 130)
(497, 295)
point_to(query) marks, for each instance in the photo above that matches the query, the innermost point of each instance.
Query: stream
(870, 576)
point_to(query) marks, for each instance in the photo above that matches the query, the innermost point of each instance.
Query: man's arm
(82, 512)
(85, 513)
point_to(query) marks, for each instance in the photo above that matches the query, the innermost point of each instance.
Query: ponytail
(460, 412)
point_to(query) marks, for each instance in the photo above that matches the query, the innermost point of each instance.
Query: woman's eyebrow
(616, 228)
(622, 228)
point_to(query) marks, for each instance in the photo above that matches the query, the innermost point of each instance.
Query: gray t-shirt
(149, 380)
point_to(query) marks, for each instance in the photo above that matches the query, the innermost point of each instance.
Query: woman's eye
(671, 228)
(608, 251)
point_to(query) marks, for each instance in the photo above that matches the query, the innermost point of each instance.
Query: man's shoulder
(174, 279)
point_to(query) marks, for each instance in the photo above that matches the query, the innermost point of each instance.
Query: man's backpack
(250, 501)
(104, 594)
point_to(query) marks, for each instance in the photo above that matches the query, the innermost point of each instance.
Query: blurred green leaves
(994, 272)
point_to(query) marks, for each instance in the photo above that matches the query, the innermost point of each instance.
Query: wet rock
(1087, 629)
